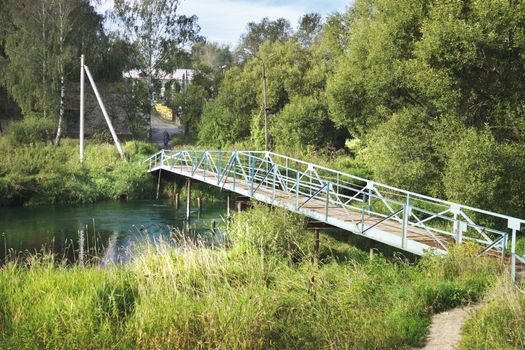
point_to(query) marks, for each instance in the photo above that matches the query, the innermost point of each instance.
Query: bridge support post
(316, 246)
(228, 205)
(199, 204)
(188, 199)
(372, 247)
(158, 183)
(177, 200)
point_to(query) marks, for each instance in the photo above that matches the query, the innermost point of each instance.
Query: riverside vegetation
(32, 171)
(260, 290)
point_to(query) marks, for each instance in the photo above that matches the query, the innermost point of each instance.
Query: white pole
(513, 256)
(81, 108)
(108, 121)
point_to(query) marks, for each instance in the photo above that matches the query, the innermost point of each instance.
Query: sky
(224, 21)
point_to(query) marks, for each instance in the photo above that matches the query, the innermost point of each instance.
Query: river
(116, 227)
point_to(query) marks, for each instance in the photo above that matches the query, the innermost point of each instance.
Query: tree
(188, 104)
(484, 173)
(40, 39)
(62, 14)
(309, 29)
(26, 72)
(304, 123)
(401, 152)
(157, 31)
(279, 30)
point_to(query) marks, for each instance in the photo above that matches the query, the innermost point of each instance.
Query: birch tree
(156, 30)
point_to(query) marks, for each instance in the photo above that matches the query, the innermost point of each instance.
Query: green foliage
(31, 130)
(481, 171)
(261, 230)
(499, 322)
(259, 33)
(188, 103)
(304, 122)
(219, 126)
(261, 293)
(41, 173)
(401, 153)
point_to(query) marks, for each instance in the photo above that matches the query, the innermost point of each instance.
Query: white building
(182, 76)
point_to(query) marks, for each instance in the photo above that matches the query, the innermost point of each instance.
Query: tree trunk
(61, 114)
(44, 58)
(62, 83)
(150, 106)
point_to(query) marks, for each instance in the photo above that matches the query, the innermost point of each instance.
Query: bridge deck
(406, 220)
(388, 232)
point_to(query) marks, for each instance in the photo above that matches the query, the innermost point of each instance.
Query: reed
(259, 291)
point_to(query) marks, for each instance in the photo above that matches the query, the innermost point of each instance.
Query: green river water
(115, 226)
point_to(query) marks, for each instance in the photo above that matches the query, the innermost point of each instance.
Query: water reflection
(111, 230)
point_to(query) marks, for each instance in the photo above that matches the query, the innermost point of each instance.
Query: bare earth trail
(445, 330)
(158, 127)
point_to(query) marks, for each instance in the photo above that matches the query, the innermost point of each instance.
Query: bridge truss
(405, 220)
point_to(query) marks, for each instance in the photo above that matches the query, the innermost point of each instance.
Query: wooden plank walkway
(389, 232)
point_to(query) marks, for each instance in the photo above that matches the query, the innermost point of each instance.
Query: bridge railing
(442, 222)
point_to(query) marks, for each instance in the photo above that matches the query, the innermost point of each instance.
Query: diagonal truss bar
(312, 196)
(383, 220)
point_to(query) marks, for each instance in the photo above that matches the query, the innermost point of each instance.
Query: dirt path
(445, 330)
(158, 127)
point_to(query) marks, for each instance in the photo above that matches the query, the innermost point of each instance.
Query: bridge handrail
(369, 182)
(333, 187)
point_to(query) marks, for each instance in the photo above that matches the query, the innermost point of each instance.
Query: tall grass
(260, 291)
(39, 173)
(500, 323)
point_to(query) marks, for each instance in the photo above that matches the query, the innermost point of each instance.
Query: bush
(277, 232)
(400, 153)
(31, 130)
(137, 151)
(42, 174)
(484, 173)
(304, 122)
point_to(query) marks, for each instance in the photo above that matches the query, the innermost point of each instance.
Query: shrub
(277, 232)
(31, 129)
(484, 173)
(400, 153)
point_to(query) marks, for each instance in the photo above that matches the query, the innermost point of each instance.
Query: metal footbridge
(405, 220)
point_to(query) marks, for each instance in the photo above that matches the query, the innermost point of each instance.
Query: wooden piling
(316, 245)
(158, 183)
(188, 199)
(199, 204)
(228, 205)
(174, 193)
(177, 200)
(372, 247)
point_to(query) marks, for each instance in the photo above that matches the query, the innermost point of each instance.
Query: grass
(260, 291)
(39, 173)
(499, 324)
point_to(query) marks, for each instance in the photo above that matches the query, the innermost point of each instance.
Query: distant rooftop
(182, 74)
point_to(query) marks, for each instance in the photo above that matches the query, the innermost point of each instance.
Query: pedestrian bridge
(405, 220)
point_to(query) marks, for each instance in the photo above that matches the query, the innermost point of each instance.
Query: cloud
(224, 21)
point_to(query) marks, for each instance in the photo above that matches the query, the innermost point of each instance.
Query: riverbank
(261, 291)
(40, 173)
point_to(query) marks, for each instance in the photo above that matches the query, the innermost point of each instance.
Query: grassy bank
(499, 324)
(39, 173)
(261, 291)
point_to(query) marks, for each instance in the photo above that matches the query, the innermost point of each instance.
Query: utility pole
(266, 109)
(81, 108)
